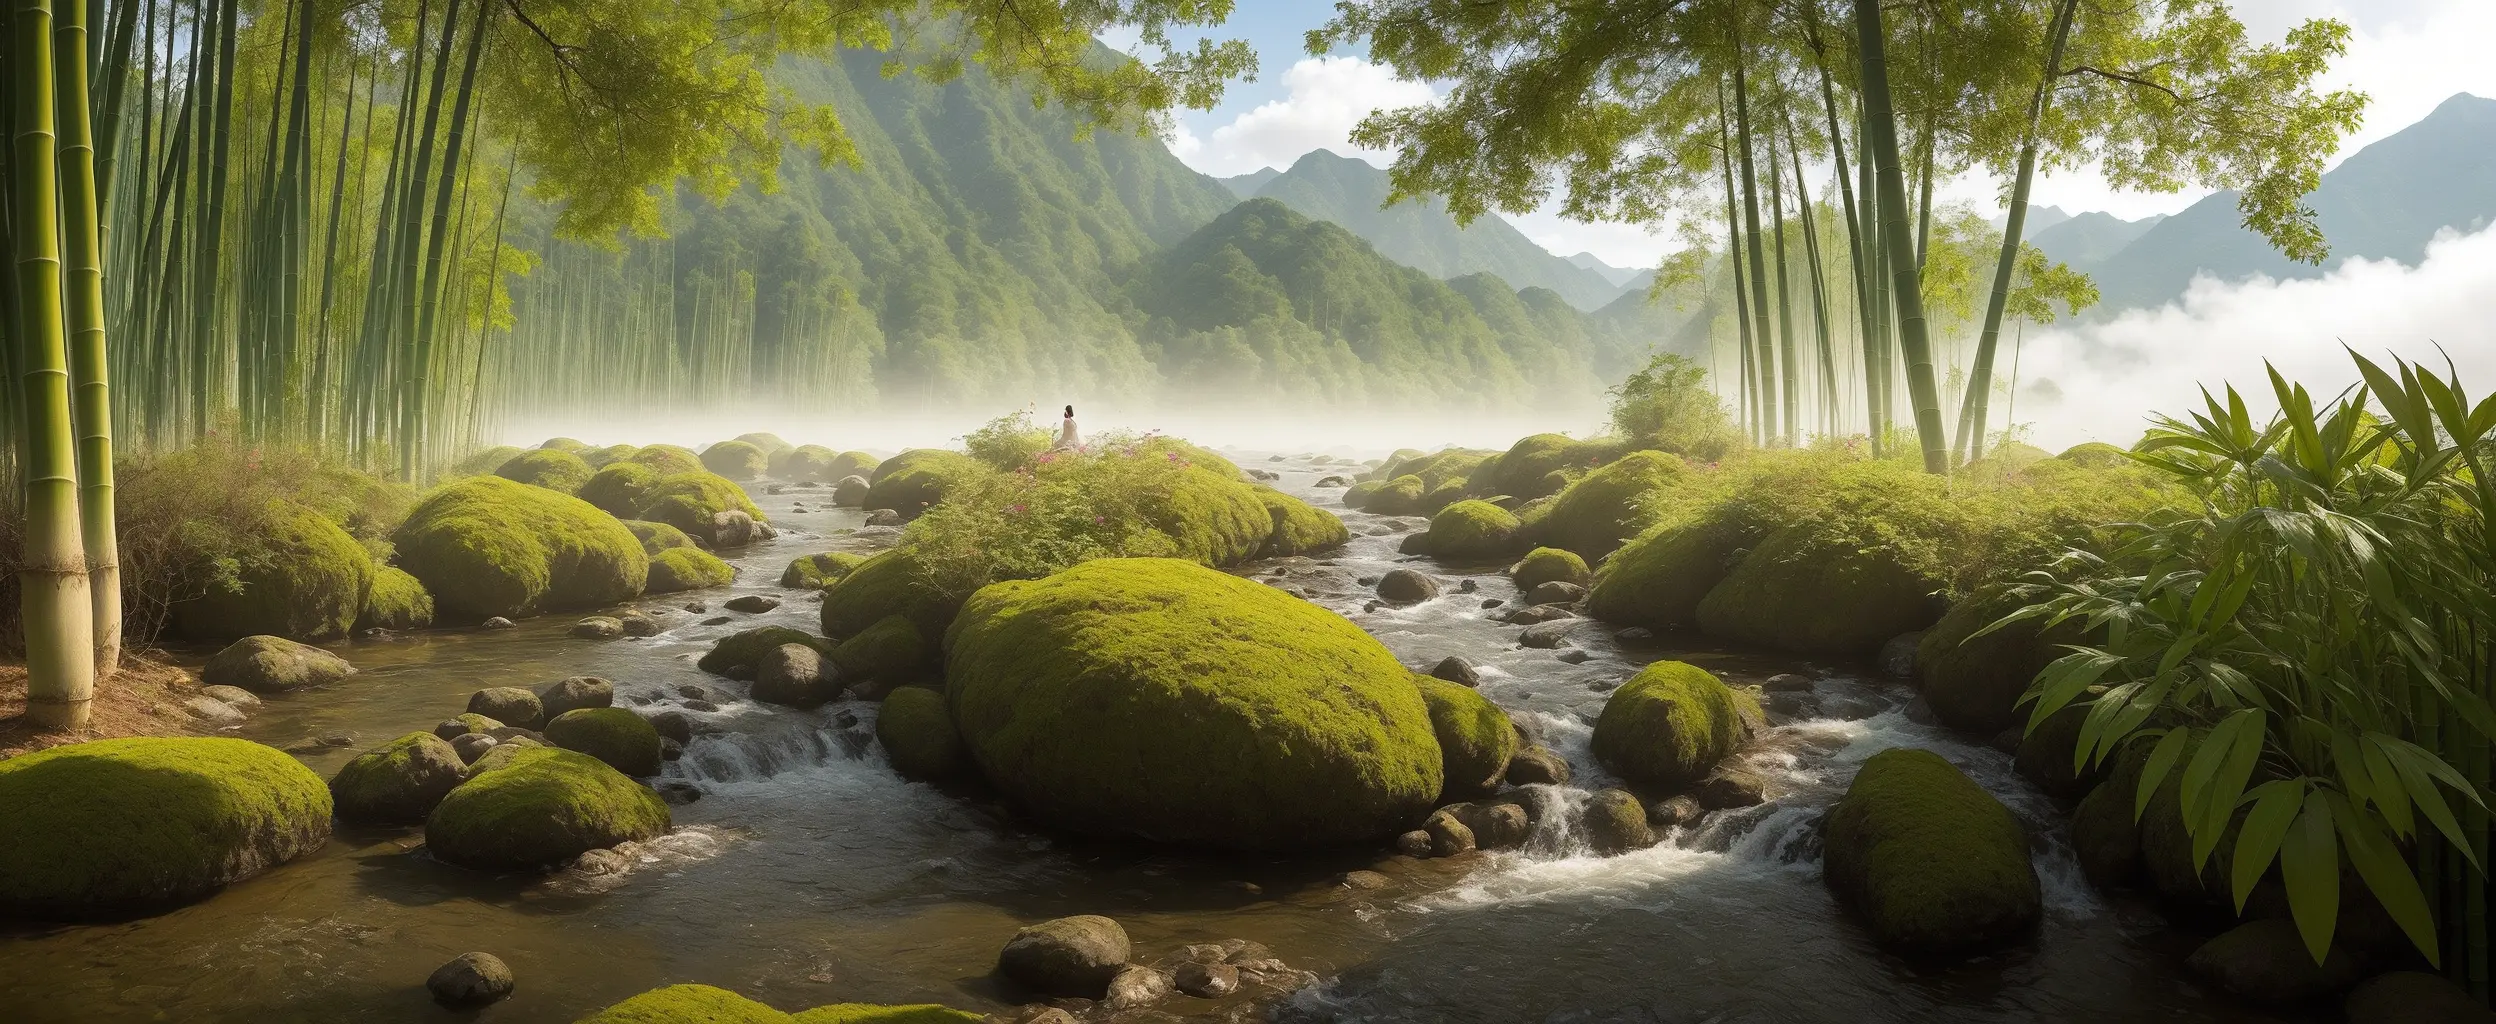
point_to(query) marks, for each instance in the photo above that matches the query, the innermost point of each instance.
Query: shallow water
(808, 873)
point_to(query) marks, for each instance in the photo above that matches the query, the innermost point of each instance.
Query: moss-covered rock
(817, 571)
(891, 583)
(1359, 495)
(1659, 579)
(1213, 519)
(399, 782)
(487, 546)
(1475, 738)
(563, 444)
(626, 741)
(601, 458)
(1669, 725)
(1299, 527)
(619, 488)
(301, 577)
(542, 807)
(687, 1004)
(1615, 822)
(767, 441)
(1805, 592)
(817, 464)
(2096, 455)
(1473, 530)
(891, 651)
(690, 501)
(854, 463)
(871, 1013)
(736, 460)
(1159, 699)
(737, 654)
(680, 569)
(2266, 961)
(1536, 466)
(1399, 496)
(1929, 861)
(918, 735)
(1974, 682)
(667, 459)
(484, 462)
(657, 537)
(1610, 505)
(1548, 565)
(273, 664)
(395, 600)
(111, 826)
(511, 705)
(915, 480)
(549, 468)
(2105, 839)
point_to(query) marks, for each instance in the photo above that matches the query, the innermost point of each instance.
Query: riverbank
(146, 698)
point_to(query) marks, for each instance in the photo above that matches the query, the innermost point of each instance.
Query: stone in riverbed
(511, 705)
(1897, 656)
(1457, 670)
(1537, 614)
(1495, 824)
(470, 979)
(234, 695)
(497, 622)
(1404, 586)
(598, 627)
(273, 664)
(1136, 985)
(1538, 766)
(753, 604)
(473, 746)
(214, 713)
(1547, 635)
(795, 675)
(398, 782)
(1067, 956)
(1555, 592)
(1927, 859)
(1675, 812)
(2266, 962)
(461, 725)
(625, 741)
(575, 693)
(1615, 823)
(1206, 981)
(638, 624)
(1449, 835)
(674, 725)
(536, 807)
(1415, 843)
(1668, 726)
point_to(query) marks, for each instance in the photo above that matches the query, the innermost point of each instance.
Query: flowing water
(803, 871)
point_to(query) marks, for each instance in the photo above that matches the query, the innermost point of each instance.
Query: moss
(1931, 862)
(1399, 496)
(1974, 683)
(301, 577)
(1440, 468)
(657, 537)
(488, 546)
(620, 488)
(1299, 527)
(1669, 725)
(484, 462)
(1547, 565)
(891, 583)
(1525, 471)
(1659, 579)
(1191, 454)
(601, 458)
(766, 440)
(548, 468)
(687, 1004)
(114, 825)
(1610, 505)
(817, 571)
(1159, 699)
(1359, 495)
(745, 649)
(1442, 496)
(1806, 592)
(626, 741)
(918, 735)
(1475, 737)
(869, 1013)
(1470, 530)
(890, 651)
(812, 463)
(687, 501)
(398, 782)
(667, 459)
(395, 600)
(563, 444)
(542, 807)
(1214, 520)
(911, 482)
(2096, 455)
(681, 569)
(736, 460)
(857, 464)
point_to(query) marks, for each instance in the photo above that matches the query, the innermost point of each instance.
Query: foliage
(1009, 442)
(1667, 406)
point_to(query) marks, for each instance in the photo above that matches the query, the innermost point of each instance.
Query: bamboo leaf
(2309, 864)
(2275, 805)
(2162, 758)
(2379, 864)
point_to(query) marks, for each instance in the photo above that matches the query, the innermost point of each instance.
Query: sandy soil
(144, 699)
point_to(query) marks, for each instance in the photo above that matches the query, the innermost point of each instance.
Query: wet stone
(1575, 656)
(1363, 880)
(1415, 843)
(716, 620)
(1137, 986)
(1207, 981)
(598, 627)
(234, 695)
(1457, 670)
(471, 979)
(497, 622)
(753, 604)
(1635, 633)
(1787, 682)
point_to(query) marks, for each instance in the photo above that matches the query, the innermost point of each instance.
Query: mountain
(2090, 238)
(1246, 185)
(1419, 233)
(2040, 218)
(1619, 276)
(2386, 201)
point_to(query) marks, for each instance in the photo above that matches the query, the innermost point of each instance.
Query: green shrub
(1473, 530)
(620, 488)
(817, 571)
(675, 570)
(1008, 443)
(1931, 862)
(293, 573)
(487, 546)
(1669, 725)
(395, 601)
(735, 460)
(1668, 406)
(548, 468)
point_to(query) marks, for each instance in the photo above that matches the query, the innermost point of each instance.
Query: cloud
(1327, 97)
(2101, 382)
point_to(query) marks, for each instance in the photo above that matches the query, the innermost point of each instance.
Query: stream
(803, 871)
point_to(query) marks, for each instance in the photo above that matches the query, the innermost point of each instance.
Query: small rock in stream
(1575, 656)
(1556, 592)
(1674, 812)
(574, 694)
(598, 627)
(696, 607)
(1207, 981)
(1786, 682)
(1468, 585)
(472, 979)
(1538, 766)
(673, 725)
(638, 624)
(1356, 880)
(473, 746)
(234, 695)
(1457, 670)
(1415, 843)
(1404, 586)
(716, 620)
(1135, 986)
(497, 622)
(1073, 956)
(753, 604)
(1492, 602)
(1546, 635)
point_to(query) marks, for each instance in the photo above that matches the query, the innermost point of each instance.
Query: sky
(2408, 55)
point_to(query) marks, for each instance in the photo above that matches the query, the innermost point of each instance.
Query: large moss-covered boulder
(298, 575)
(626, 741)
(399, 782)
(817, 571)
(1473, 530)
(1159, 699)
(1527, 469)
(1475, 738)
(483, 462)
(1214, 519)
(692, 501)
(563, 444)
(620, 488)
(736, 460)
(687, 568)
(812, 463)
(918, 735)
(738, 654)
(1808, 593)
(111, 826)
(891, 583)
(1929, 861)
(1669, 725)
(395, 600)
(1359, 495)
(540, 808)
(550, 468)
(1399, 496)
(1974, 682)
(892, 651)
(657, 537)
(273, 664)
(1659, 579)
(667, 459)
(1548, 565)
(769, 442)
(874, 1013)
(1610, 505)
(916, 480)
(601, 458)
(687, 1004)
(486, 546)
(1299, 527)
(854, 463)
(2096, 455)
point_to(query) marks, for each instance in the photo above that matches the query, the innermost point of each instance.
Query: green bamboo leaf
(2275, 805)
(2309, 864)
(2391, 792)
(2204, 767)
(2379, 864)
(2066, 679)
(2422, 787)
(2227, 787)
(2162, 758)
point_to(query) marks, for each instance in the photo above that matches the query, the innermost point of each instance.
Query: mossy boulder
(399, 782)
(817, 571)
(1930, 862)
(1299, 527)
(657, 537)
(601, 458)
(511, 705)
(1475, 738)
(1158, 699)
(691, 501)
(620, 488)
(1548, 565)
(1359, 495)
(853, 463)
(736, 460)
(550, 468)
(1810, 593)
(1473, 530)
(1659, 579)
(737, 654)
(395, 600)
(1974, 682)
(1669, 725)
(873, 1013)
(1610, 505)
(916, 480)
(918, 735)
(111, 826)
(2266, 961)
(1213, 519)
(486, 546)
(563, 444)
(1398, 496)
(891, 583)
(540, 808)
(1526, 470)
(301, 576)
(626, 741)
(1615, 822)
(891, 651)
(769, 442)
(2096, 455)
(273, 664)
(485, 461)
(812, 463)
(667, 459)
(680, 569)
(687, 1004)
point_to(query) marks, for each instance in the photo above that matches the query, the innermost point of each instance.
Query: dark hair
(1070, 412)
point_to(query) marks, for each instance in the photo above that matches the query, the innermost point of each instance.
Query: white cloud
(1327, 97)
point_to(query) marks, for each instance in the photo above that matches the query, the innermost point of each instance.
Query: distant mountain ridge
(2091, 238)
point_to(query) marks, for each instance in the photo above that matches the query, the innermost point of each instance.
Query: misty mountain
(1420, 234)
(1246, 185)
(2386, 201)
(2040, 218)
(1619, 276)
(2090, 238)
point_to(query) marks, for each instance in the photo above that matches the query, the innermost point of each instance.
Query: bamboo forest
(1294, 512)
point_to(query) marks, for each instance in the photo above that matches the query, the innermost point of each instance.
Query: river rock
(1730, 786)
(1449, 835)
(1457, 670)
(463, 724)
(795, 675)
(511, 705)
(1207, 981)
(1067, 956)
(234, 695)
(1616, 823)
(1546, 635)
(1476, 737)
(1671, 723)
(214, 713)
(1575, 656)
(1495, 824)
(273, 664)
(497, 622)
(575, 693)
(753, 604)
(1404, 586)
(1415, 543)
(638, 624)
(1897, 656)
(624, 740)
(598, 627)
(1535, 766)
(470, 979)
(1927, 859)
(2266, 962)
(1555, 592)
(1136, 985)
(539, 807)
(2413, 997)
(884, 517)
(473, 746)
(732, 528)
(399, 782)
(1674, 812)
(1415, 843)
(850, 492)
(674, 725)
(1787, 682)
